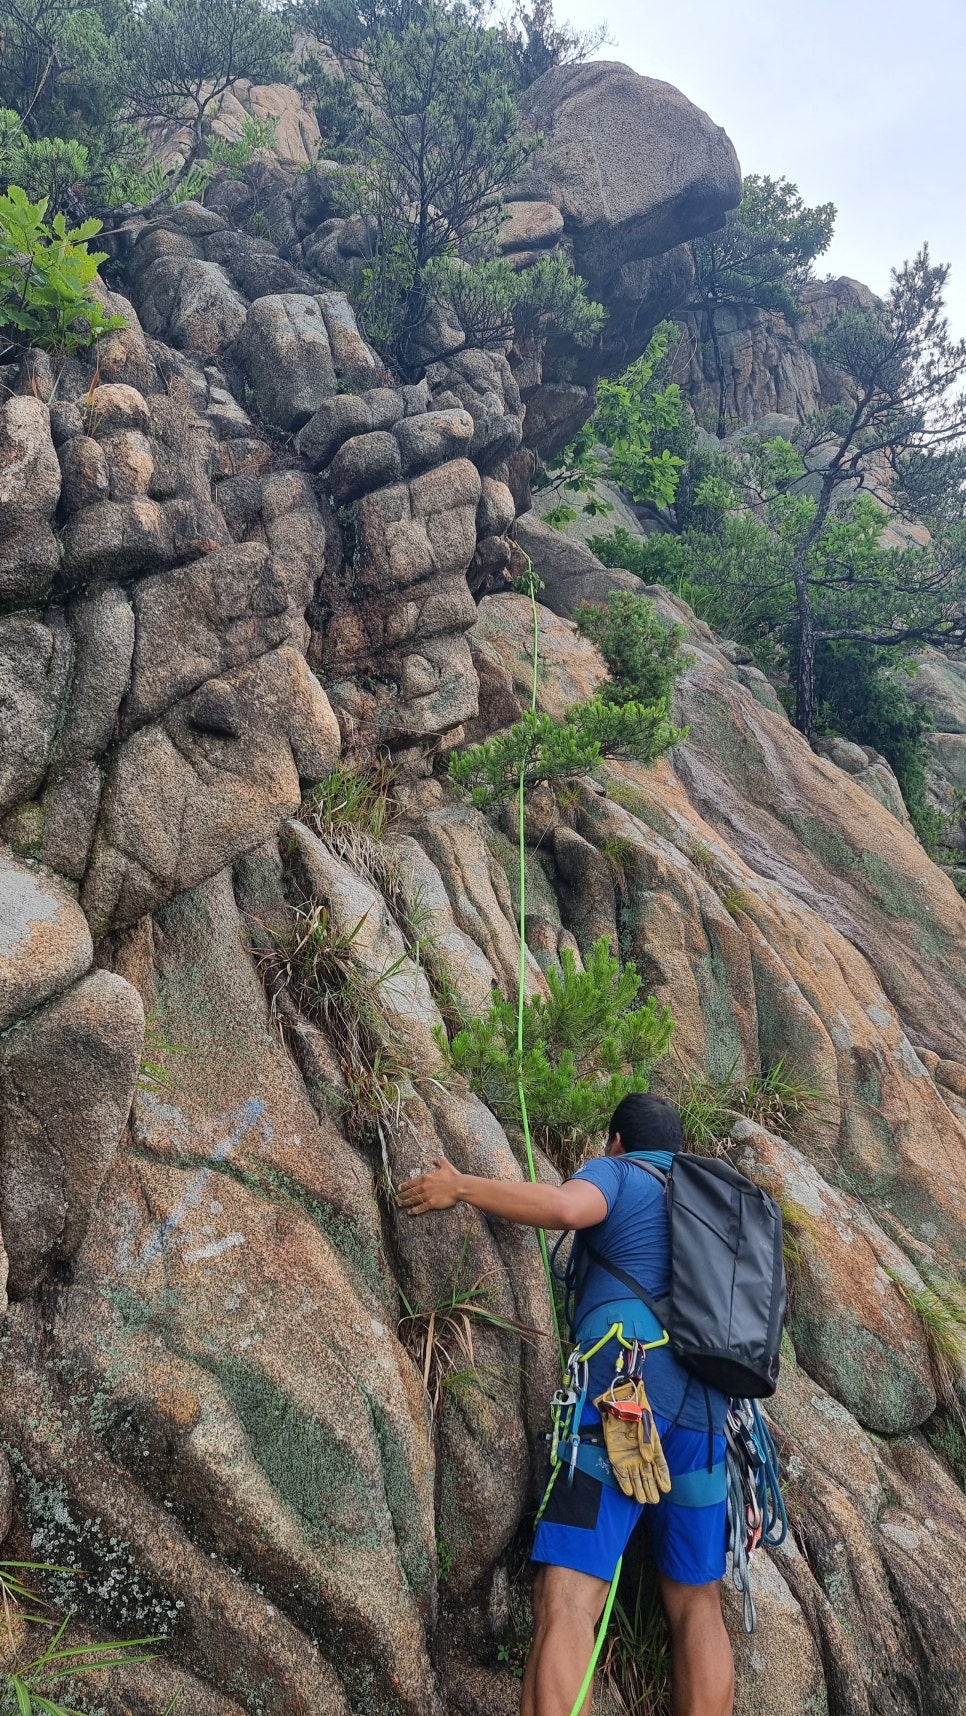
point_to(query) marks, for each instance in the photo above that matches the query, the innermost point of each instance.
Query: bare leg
(566, 1609)
(701, 1659)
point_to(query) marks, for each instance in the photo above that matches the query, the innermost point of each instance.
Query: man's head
(644, 1122)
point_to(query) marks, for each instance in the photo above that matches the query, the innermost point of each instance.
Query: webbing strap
(688, 1489)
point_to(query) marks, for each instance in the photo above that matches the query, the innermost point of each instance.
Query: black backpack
(726, 1308)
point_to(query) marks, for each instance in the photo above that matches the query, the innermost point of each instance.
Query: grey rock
(67, 1079)
(130, 462)
(70, 808)
(190, 303)
(84, 472)
(433, 439)
(34, 668)
(65, 422)
(45, 942)
(336, 421)
(530, 225)
(484, 385)
(114, 406)
(29, 469)
(633, 166)
(365, 463)
(7, 1490)
(355, 361)
(569, 571)
(285, 353)
(216, 709)
(29, 562)
(417, 397)
(496, 510)
(200, 621)
(253, 265)
(226, 414)
(102, 627)
(345, 415)
(130, 538)
(180, 803)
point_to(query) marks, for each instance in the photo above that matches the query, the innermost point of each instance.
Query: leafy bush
(51, 167)
(862, 695)
(585, 1047)
(545, 749)
(645, 429)
(644, 657)
(46, 275)
(495, 302)
(233, 158)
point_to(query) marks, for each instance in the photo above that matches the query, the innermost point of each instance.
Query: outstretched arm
(574, 1204)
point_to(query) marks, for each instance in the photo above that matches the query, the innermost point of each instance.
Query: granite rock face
(235, 553)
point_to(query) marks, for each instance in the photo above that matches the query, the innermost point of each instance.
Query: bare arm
(574, 1204)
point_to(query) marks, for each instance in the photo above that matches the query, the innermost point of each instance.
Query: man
(587, 1523)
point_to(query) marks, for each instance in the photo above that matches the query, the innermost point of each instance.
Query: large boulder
(633, 165)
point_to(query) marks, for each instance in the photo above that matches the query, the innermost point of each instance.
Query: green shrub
(46, 275)
(639, 437)
(644, 656)
(585, 1046)
(862, 694)
(50, 167)
(545, 749)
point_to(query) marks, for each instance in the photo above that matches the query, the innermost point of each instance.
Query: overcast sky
(859, 102)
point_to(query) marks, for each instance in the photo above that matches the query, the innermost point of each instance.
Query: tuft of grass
(153, 1075)
(353, 800)
(33, 1681)
(940, 1305)
(312, 966)
(440, 1338)
(352, 810)
(636, 1667)
(703, 857)
(617, 851)
(946, 1434)
(736, 900)
(775, 1099)
(798, 1225)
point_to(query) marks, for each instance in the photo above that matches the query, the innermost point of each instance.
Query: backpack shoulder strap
(659, 1307)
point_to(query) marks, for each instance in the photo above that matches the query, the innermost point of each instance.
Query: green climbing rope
(521, 1092)
(525, 1117)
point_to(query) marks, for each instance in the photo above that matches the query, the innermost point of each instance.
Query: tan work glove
(632, 1442)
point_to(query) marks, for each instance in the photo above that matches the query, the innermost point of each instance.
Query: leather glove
(632, 1442)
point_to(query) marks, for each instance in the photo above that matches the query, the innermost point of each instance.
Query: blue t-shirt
(635, 1234)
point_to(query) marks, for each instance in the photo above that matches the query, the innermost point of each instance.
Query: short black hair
(647, 1122)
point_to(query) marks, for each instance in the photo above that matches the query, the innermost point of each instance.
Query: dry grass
(440, 1338)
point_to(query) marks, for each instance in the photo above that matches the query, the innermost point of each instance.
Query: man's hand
(438, 1189)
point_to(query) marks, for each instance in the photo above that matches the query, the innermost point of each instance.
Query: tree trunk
(719, 368)
(805, 683)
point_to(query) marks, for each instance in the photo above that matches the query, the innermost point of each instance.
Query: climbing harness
(756, 1510)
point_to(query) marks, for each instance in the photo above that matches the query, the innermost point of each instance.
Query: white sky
(858, 102)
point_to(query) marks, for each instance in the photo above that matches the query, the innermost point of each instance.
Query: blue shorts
(587, 1525)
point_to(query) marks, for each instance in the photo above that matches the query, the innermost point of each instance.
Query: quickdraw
(756, 1510)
